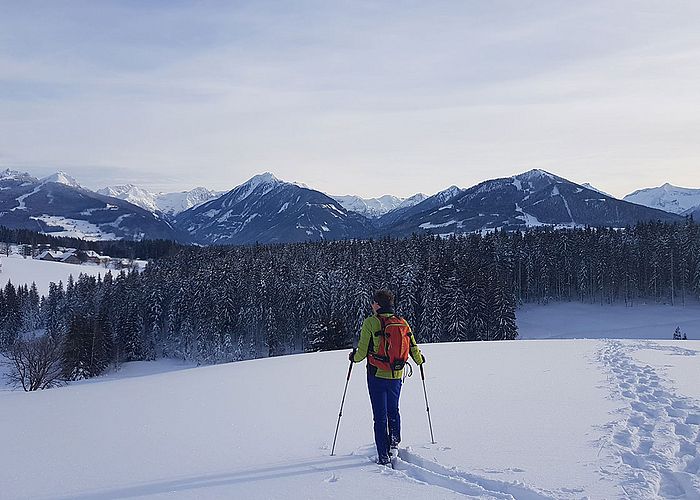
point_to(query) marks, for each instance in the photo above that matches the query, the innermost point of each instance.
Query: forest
(219, 304)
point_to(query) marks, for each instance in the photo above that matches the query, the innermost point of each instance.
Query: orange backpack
(394, 344)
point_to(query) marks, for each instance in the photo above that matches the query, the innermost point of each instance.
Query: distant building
(70, 258)
(96, 258)
(50, 255)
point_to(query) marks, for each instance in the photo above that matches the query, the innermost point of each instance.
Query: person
(384, 382)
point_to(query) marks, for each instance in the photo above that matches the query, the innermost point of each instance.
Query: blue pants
(384, 395)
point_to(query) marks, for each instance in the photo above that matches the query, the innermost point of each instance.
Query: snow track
(656, 446)
(432, 473)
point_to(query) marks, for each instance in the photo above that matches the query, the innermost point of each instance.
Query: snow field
(574, 320)
(25, 271)
(511, 419)
(657, 439)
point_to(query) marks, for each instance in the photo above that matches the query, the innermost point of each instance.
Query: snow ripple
(657, 443)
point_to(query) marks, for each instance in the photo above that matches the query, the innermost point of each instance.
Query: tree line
(219, 304)
(128, 249)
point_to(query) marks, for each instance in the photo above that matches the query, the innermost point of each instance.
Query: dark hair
(384, 297)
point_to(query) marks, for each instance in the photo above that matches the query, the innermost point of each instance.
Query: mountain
(267, 210)
(593, 188)
(406, 212)
(376, 207)
(62, 178)
(673, 199)
(169, 204)
(58, 205)
(533, 198)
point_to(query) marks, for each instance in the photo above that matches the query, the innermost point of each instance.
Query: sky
(352, 97)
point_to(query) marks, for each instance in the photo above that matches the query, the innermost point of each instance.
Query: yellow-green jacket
(369, 342)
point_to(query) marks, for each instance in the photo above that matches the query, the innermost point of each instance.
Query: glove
(351, 357)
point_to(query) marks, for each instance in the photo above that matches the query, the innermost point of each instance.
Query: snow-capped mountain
(673, 199)
(57, 205)
(267, 210)
(405, 212)
(593, 188)
(167, 203)
(61, 177)
(533, 198)
(376, 207)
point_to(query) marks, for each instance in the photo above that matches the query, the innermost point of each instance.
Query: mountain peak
(61, 177)
(264, 178)
(536, 173)
(667, 197)
(16, 175)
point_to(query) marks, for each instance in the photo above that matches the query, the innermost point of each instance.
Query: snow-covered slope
(21, 271)
(407, 212)
(59, 206)
(61, 177)
(267, 210)
(522, 419)
(677, 200)
(573, 320)
(533, 198)
(376, 207)
(167, 203)
(593, 188)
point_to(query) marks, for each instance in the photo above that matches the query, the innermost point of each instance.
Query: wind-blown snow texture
(520, 419)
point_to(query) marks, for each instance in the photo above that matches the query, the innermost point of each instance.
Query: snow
(75, 228)
(376, 207)
(593, 188)
(429, 225)
(570, 320)
(61, 178)
(674, 199)
(25, 271)
(568, 210)
(284, 207)
(525, 419)
(266, 181)
(15, 175)
(169, 203)
(22, 205)
(530, 220)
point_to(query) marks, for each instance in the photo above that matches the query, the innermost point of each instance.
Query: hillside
(522, 419)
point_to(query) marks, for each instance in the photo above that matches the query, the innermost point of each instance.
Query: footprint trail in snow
(656, 445)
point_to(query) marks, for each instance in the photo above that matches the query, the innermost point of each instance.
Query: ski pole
(340, 414)
(427, 408)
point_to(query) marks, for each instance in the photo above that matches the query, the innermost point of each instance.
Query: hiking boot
(383, 461)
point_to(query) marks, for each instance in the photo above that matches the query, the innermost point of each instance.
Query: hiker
(385, 369)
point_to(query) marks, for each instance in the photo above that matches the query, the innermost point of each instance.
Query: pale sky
(352, 97)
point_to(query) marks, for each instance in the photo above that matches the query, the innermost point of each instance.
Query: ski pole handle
(350, 370)
(422, 373)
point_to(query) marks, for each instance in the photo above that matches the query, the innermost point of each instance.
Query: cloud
(353, 96)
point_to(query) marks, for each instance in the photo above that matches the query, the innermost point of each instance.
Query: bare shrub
(35, 363)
